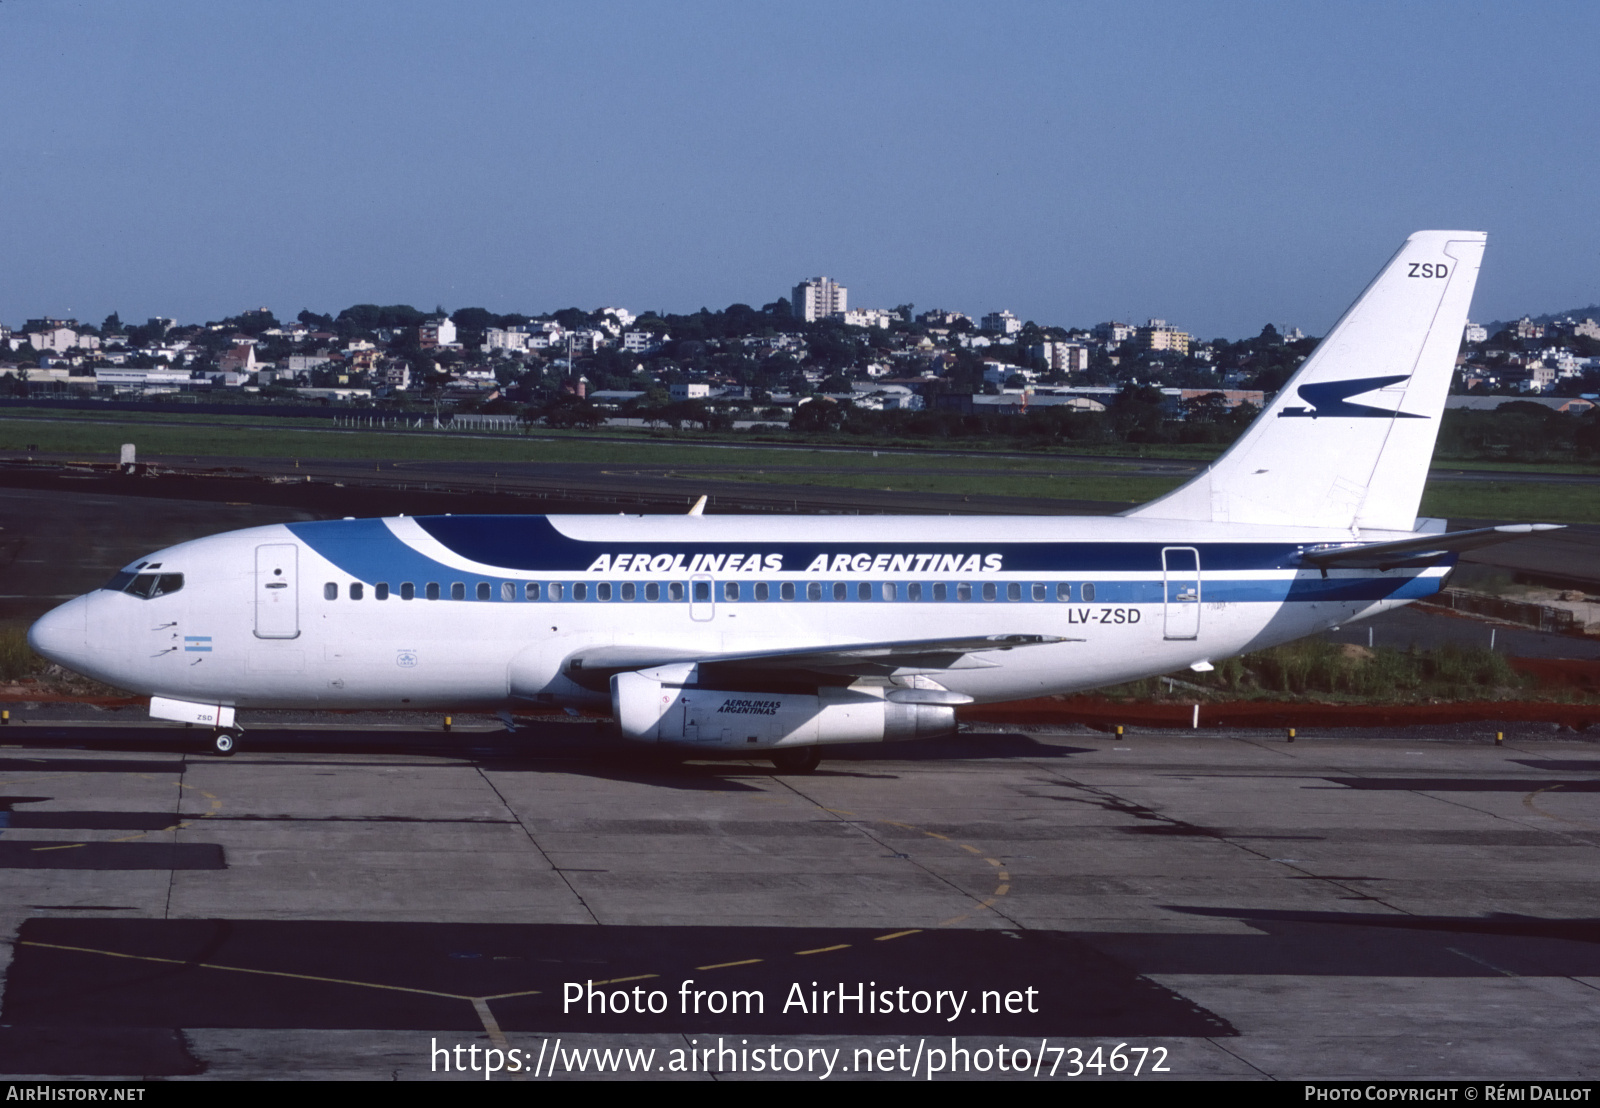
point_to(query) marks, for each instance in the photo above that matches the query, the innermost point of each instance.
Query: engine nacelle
(665, 706)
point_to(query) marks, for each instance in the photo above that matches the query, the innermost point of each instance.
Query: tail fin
(1348, 441)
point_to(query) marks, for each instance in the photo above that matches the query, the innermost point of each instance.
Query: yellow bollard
(1499, 737)
(1119, 732)
(447, 723)
(1291, 734)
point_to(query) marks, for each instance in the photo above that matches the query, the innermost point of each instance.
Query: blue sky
(1220, 165)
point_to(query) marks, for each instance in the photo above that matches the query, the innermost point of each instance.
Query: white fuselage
(459, 612)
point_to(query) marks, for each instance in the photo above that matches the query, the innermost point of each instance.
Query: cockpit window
(146, 586)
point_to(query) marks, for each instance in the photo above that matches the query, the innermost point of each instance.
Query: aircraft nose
(61, 634)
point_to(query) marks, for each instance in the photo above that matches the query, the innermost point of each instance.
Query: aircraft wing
(872, 659)
(1423, 551)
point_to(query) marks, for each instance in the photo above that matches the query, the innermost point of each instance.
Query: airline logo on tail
(1331, 398)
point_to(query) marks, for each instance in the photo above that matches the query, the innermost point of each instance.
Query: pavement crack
(859, 824)
(558, 871)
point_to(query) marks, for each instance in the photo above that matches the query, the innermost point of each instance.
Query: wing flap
(875, 659)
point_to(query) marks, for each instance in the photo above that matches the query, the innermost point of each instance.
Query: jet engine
(666, 705)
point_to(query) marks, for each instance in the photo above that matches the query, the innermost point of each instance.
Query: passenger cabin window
(408, 591)
(556, 590)
(675, 591)
(530, 590)
(730, 590)
(840, 590)
(941, 591)
(763, 591)
(888, 590)
(483, 590)
(964, 591)
(508, 590)
(1063, 591)
(433, 590)
(458, 591)
(1088, 593)
(1013, 591)
(989, 591)
(652, 590)
(357, 590)
(629, 590)
(580, 591)
(702, 591)
(1038, 592)
(602, 591)
(330, 591)
(814, 590)
(786, 590)
(380, 591)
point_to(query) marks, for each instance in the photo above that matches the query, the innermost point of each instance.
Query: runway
(337, 903)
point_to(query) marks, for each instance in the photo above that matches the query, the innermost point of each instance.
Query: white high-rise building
(818, 298)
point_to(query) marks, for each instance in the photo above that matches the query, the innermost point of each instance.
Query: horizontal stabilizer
(1424, 551)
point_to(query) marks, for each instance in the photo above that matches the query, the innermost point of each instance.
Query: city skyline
(1221, 167)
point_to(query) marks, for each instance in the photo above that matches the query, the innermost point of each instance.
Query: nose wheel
(223, 742)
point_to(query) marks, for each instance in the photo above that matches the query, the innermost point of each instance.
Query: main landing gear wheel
(797, 759)
(222, 742)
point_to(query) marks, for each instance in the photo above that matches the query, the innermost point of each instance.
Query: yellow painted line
(490, 1024)
(508, 996)
(130, 838)
(1528, 803)
(243, 969)
(838, 811)
(823, 949)
(725, 965)
(898, 935)
(936, 835)
(36, 780)
(970, 849)
(620, 980)
(1002, 890)
(995, 862)
(1004, 876)
(68, 846)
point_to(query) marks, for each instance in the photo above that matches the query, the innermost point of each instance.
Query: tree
(1137, 413)
(823, 414)
(474, 319)
(567, 411)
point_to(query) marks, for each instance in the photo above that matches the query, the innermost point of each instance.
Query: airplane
(773, 637)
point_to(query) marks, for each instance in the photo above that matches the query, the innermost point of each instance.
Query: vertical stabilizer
(1348, 441)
